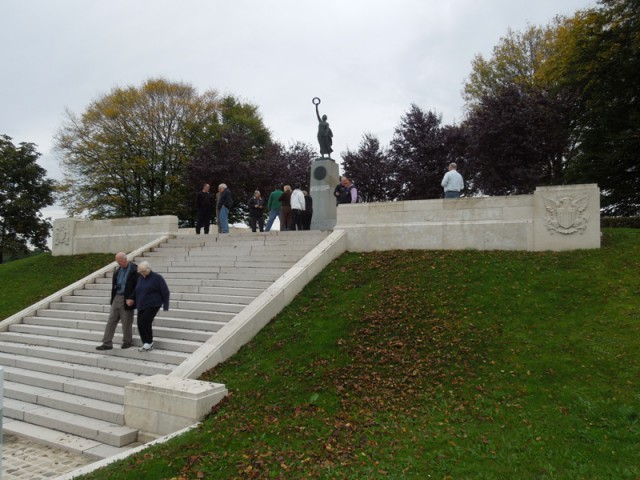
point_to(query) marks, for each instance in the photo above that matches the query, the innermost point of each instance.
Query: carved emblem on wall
(566, 215)
(61, 235)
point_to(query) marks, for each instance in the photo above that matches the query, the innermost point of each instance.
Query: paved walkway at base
(26, 460)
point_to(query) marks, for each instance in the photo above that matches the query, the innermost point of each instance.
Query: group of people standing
(294, 208)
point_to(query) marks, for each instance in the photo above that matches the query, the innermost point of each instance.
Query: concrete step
(213, 265)
(184, 330)
(254, 284)
(60, 383)
(246, 293)
(206, 306)
(67, 369)
(91, 428)
(231, 277)
(198, 302)
(146, 363)
(66, 402)
(85, 309)
(73, 314)
(176, 340)
(62, 440)
(98, 286)
(205, 321)
(212, 298)
(103, 293)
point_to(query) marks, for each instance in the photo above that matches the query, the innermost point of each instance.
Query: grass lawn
(26, 281)
(432, 364)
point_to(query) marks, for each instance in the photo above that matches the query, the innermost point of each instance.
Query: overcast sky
(368, 60)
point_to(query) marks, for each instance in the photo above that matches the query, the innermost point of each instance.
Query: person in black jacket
(308, 211)
(256, 211)
(204, 207)
(152, 293)
(123, 299)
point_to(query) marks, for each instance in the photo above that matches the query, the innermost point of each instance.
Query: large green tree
(517, 140)
(519, 121)
(373, 170)
(24, 191)
(237, 149)
(420, 154)
(598, 61)
(126, 154)
(516, 62)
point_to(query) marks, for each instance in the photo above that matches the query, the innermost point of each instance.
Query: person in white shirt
(297, 207)
(452, 182)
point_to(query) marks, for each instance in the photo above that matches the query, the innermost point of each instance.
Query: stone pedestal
(161, 404)
(325, 175)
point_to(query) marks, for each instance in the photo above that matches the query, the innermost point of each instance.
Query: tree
(598, 61)
(517, 61)
(420, 154)
(517, 140)
(373, 171)
(295, 161)
(125, 155)
(24, 191)
(237, 150)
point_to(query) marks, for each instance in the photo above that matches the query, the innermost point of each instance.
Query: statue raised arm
(325, 135)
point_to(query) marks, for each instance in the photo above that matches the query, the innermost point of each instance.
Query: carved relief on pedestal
(61, 234)
(566, 214)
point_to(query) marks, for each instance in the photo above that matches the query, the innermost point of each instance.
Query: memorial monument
(325, 175)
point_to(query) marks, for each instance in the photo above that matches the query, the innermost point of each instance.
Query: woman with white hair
(152, 293)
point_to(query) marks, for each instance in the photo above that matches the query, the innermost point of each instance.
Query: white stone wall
(553, 218)
(73, 236)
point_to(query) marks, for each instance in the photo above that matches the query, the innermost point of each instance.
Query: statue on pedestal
(325, 135)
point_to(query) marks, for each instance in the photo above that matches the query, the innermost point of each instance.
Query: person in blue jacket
(152, 293)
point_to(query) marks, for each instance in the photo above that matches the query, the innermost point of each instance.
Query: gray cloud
(367, 60)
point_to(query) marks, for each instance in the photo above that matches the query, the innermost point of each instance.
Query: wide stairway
(59, 390)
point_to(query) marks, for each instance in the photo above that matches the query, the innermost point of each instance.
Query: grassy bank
(433, 364)
(26, 281)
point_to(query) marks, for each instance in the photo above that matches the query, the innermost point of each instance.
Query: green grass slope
(433, 364)
(26, 281)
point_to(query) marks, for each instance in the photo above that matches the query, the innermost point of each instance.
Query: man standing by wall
(452, 182)
(349, 192)
(123, 298)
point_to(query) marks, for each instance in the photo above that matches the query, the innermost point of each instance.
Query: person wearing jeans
(274, 207)
(224, 204)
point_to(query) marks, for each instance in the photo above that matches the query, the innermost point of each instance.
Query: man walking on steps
(123, 299)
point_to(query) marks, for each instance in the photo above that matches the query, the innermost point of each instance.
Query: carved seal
(566, 215)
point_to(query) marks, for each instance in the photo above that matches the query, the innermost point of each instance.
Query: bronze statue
(325, 135)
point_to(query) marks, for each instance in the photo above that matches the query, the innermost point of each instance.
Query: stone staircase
(58, 387)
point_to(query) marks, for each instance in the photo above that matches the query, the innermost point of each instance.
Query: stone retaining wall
(74, 236)
(553, 218)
